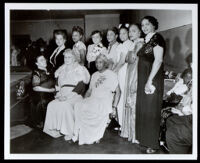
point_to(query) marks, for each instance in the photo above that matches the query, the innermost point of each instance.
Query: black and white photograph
(101, 81)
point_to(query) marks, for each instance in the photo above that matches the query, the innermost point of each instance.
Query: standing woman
(112, 35)
(130, 91)
(121, 67)
(57, 59)
(94, 50)
(79, 47)
(150, 86)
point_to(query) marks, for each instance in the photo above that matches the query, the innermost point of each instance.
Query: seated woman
(174, 96)
(42, 93)
(92, 113)
(179, 126)
(60, 112)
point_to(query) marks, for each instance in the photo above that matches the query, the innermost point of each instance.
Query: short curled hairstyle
(97, 31)
(152, 20)
(67, 51)
(104, 58)
(61, 32)
(77, 29)
(186, 71)
(114, 29)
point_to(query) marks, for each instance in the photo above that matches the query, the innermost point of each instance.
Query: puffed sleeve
(86, 78)
(81, 46)
(158, 40)
(35, 79)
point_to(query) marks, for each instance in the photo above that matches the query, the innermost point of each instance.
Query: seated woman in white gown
(60, 112)
(92, 113)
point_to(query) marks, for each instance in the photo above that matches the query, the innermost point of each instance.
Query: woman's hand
(149, 88)
(113, 114)
(177, 111)
(52, 90)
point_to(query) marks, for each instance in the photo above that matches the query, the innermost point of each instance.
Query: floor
(37, 142)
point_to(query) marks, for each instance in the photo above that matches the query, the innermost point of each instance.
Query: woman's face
(100, 64)
(111, 36)
(96, 38)
(41, 62)
(59, 40)
(76, 36)
(123, 34)
(69, 58)
(134, 32)
(147, 27)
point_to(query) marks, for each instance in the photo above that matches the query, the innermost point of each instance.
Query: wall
(176, 28)
(43, 28)
(167, 18)
(100, 22)
(179, 46)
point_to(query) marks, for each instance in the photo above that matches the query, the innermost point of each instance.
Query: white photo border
(85, 6)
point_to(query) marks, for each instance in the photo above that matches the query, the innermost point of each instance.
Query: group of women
(126, 77)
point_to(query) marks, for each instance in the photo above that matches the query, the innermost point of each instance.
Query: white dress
(123, 49)
(60, 114)
(92, 113)
(77, 47)
(112, 53)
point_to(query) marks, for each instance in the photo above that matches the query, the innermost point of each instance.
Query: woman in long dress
(150, 86)
(56, 59)
(121, 66)
(112, 35)
(79, 47)
(130, 91)
(92, 113)
(94, 50)
(60, 112)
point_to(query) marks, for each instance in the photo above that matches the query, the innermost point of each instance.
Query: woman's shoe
(150, 151)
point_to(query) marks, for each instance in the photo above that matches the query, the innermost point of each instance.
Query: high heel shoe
(150, 151)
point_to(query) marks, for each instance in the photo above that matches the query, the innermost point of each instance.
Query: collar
(148, 37)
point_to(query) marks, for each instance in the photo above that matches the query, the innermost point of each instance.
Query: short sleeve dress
(39, 100)
(148, 106)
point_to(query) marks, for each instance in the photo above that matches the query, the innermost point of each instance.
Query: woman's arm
(116, 101)
(158, 55)
(120, 63)
(42, 89)
(88, 93)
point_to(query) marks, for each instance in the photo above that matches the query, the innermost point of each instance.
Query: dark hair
(114, 29)
(123, 26)
(139, 27)
(152, 20)
(95, 32)
(77, 29)
(61, 32)
(37, 56)
(186, 71)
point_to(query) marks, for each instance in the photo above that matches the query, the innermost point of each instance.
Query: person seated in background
(60, 112)
(42, 91)
(14, 55)
(174, 95)
(79, 47)
(179, 126)
(92, 113)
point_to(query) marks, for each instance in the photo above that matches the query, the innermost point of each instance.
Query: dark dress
(148, 106)
(57, 60)
(39, 100)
